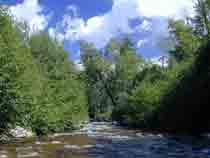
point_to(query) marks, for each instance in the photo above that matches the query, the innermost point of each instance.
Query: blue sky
(98, 21)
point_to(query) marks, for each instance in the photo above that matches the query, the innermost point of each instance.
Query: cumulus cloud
(30, 11)
(166, 8)
(146, 25)
(73, 9)
(100, 29)
(141, 42)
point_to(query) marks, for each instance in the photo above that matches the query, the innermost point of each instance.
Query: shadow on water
(152, 147)
(107, 141)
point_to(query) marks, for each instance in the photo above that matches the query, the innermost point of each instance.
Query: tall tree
(63, 102)
(97, 71)
(18, 72)
(202, 18)
(185, 40)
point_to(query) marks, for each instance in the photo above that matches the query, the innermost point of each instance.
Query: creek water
(104, 140)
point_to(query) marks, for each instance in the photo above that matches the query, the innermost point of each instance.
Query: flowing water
(104, 140)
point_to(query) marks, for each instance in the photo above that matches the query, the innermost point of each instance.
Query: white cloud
(141, 42)
(56, 35)
(30, 11)
(154, 31)
(165, 8)
(79, 65)
(73, 9)
(100, 29)
(144, 26)
(162, 61)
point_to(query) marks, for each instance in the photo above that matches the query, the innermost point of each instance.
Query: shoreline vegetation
(43, 90)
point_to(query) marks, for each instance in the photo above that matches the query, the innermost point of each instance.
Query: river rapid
(105, 140)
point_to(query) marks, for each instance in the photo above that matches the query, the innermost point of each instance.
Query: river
(104, 140)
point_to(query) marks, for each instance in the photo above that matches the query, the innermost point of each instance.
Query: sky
(98, 21)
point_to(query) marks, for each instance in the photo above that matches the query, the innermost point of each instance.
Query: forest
(42, 89)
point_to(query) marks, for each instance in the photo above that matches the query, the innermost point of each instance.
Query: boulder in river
(19, 132)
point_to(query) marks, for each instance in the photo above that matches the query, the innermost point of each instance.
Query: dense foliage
(143, 94)
(40, 87)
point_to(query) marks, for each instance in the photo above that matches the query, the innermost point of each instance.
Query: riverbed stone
(56, 142)
(139, 134)
(3, 156)
(29, 155)
(75, 147)
(88, 146)
(20, 132)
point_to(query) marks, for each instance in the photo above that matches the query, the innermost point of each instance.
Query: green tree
(17, 73)
(202, 18)
(97, 71)
(185, 39)
(63, 102)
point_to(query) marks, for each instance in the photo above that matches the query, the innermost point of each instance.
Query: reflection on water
(103, 140)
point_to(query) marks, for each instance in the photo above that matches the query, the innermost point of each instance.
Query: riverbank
(86, 127)
(27, 133)
(102, 139)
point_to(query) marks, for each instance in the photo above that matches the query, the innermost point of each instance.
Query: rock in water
(20, 132)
